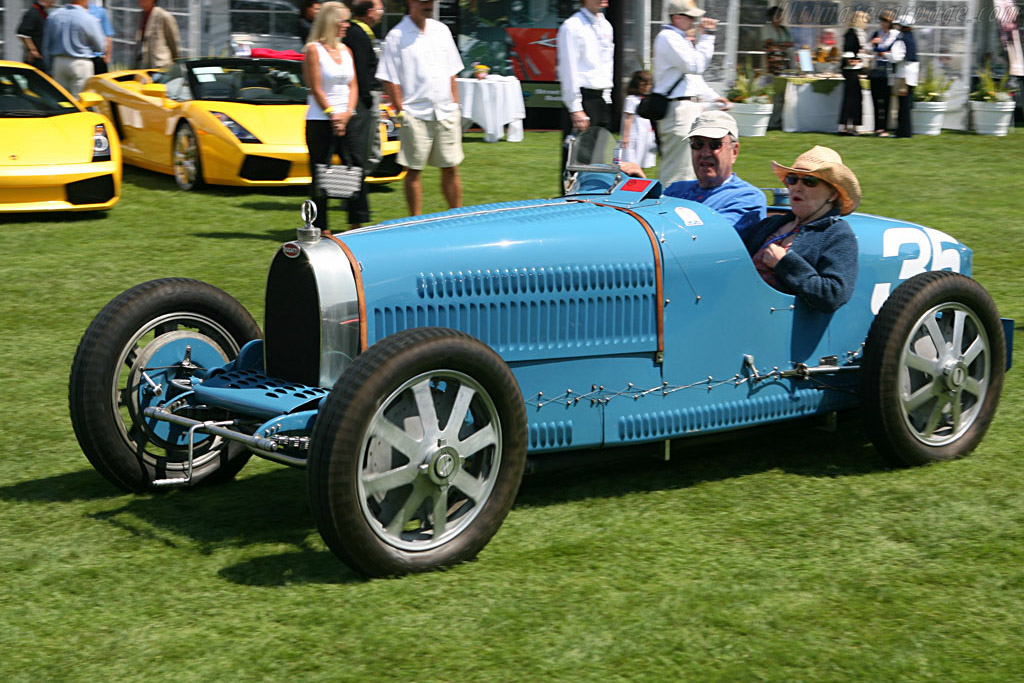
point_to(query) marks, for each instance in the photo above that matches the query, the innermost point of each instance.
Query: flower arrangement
(480, 70)
(989, 89)
(746, 88)
(933, 87)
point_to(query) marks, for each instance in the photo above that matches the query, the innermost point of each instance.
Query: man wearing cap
(682, 51)
(418, 66)
(714, 147)
(586, 52)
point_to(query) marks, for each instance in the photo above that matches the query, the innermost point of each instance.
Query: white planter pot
(926, 117)
(751, 119)
(992, 118)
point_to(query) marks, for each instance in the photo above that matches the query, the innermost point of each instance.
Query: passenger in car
(811, 251)
(714, 147)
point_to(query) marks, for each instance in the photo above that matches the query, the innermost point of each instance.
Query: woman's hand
(773, 254)
(339, 121)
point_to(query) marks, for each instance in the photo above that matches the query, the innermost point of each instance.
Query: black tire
(384, 524)
(188, 164)
(107, 377)
(924, 400)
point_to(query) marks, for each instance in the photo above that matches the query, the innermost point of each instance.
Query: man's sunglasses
(697, 144)
(808, 180)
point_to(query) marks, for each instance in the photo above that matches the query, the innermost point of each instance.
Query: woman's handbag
(654, 106)
(338, 181)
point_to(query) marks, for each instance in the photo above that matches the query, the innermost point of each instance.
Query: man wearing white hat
(714, 147)
(682, 51)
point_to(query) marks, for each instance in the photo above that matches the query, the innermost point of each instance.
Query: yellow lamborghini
(222, 121)
(54, 155)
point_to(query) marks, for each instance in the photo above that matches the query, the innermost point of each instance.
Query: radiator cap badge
(291, 250)
(308, 232)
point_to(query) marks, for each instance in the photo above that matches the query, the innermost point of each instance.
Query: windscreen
(25, 93)
(250, 81)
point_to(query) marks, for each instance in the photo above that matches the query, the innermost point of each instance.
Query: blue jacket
(738, 201)
(821, 265)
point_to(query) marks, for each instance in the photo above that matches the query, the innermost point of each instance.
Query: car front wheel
(933, 369)
(417, 455)
(130, 357)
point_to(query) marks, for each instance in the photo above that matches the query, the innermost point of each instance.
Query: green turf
(790, 556)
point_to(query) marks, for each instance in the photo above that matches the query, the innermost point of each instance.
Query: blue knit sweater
(821, 265)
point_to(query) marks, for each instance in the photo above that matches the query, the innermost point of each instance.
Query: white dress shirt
(586, 55)
(422, 64)
(675, 55)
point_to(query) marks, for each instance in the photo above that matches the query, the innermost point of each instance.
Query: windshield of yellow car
(252, 81)
(25, 93)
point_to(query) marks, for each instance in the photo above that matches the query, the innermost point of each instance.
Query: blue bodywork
(624, 316)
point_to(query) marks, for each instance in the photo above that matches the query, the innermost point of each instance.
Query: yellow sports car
(222, 121)
(54, 155)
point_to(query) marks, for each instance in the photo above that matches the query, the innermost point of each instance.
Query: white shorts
(437, 143)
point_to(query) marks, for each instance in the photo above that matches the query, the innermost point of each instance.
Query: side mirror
(154, 90)
(89, 99)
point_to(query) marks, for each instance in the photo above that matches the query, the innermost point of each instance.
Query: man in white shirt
(417, 68)
(586, 51)
(682, 51)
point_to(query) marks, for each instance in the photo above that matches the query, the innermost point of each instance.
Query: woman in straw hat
(811, 251)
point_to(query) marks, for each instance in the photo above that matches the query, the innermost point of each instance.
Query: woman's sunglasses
(697, 144)
(808, 180)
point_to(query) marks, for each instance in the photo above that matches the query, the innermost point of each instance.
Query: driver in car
(714, 148)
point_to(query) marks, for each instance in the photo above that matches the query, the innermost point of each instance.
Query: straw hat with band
(826, 164)
(886, 15)
(687, 7)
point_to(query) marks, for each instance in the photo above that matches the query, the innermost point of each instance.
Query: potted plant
(930, 103)
(752, 103)
(992, 104)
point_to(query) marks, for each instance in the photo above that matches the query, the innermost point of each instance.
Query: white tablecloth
(806, 110)
(492, 104)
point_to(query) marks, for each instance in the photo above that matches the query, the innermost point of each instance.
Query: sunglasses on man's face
(697, 144)
(807, 180)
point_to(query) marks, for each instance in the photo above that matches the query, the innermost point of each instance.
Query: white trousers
(72, 72)
(676, 162)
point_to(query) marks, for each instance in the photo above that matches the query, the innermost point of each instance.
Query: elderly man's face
(713, 166)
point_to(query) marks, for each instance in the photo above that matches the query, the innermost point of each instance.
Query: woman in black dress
(853, 42)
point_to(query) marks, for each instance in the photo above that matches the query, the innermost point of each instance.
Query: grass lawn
(793, 556)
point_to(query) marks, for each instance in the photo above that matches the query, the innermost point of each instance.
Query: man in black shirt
(360, 38)
(30, 30)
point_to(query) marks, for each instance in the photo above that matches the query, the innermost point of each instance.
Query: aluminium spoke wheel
(188, 167)
(933, 369)
(417, 455)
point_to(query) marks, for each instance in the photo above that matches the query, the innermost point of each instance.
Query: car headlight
(237, 129)
(100, 143)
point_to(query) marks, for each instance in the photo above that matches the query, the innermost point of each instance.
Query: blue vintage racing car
(412, 367)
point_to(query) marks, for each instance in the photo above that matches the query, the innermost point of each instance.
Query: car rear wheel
(128, 358)
(417, 455)
(933, 369)
(188, 167)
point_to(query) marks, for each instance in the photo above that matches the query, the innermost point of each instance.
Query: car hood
(64, 139)
(273, 124)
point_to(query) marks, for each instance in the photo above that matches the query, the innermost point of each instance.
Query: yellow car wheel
(188, 167)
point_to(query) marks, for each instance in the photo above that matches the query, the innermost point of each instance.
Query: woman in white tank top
(333, 92)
